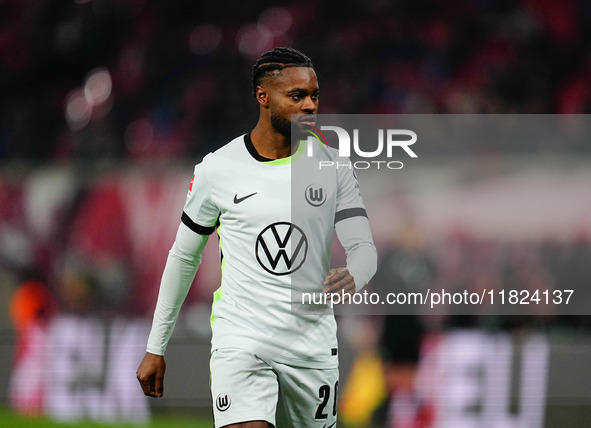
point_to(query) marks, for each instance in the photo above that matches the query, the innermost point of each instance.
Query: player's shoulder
(325, 152)
(232, 149)
(223, 156)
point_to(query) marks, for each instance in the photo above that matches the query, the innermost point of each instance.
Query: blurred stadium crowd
(138, 78)
(92, 80)
(92, 88)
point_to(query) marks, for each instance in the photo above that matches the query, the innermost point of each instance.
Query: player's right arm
(182, 263)
(197, 223)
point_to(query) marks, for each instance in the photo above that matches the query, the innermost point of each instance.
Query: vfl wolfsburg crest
(315, 195)
(222, 402)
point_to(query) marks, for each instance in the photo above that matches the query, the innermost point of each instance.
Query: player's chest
(261, 196)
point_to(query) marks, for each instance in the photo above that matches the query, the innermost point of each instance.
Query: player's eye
(315, 96)
(296, 97)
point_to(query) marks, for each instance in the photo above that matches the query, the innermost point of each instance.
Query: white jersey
(275, 221)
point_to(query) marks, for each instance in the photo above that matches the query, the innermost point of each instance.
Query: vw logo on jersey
(315, 195)
(281, 248)
(222, 402)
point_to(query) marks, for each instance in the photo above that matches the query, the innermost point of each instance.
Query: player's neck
(269, 143)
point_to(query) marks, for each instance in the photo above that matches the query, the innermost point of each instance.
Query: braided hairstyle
(273, 61)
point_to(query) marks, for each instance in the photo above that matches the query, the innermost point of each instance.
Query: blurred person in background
(364, 394)
(268, 362)
(30, 309)
(405, 267)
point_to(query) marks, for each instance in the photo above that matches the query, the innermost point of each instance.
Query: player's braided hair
(276, 60)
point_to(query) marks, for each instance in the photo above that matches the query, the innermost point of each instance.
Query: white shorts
(246, 388)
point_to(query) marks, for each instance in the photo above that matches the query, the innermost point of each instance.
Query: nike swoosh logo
(237, 200)
(332, 425)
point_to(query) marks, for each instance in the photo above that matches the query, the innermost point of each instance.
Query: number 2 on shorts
(324, 394)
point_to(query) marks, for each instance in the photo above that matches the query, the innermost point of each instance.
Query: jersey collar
(284, 161)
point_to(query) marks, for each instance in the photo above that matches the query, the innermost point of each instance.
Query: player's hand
(339, 281)
(150, 374)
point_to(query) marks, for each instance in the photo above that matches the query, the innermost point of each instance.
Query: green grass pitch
(9, 419)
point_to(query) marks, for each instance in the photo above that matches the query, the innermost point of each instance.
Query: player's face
(294, 91)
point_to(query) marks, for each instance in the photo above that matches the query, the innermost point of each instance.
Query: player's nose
(309, 105)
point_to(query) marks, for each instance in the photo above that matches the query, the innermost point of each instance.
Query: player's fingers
(340, 284)
(350, 288)
(159, 385)
(329, 275)
(335, 275)
(337, 298)
(145, 384)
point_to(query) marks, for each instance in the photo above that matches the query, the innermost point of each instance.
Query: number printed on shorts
(324, 395)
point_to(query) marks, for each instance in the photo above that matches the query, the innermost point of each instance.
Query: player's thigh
(307, 397)
(243, 388)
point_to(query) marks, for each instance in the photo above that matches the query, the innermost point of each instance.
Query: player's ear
(262, 96)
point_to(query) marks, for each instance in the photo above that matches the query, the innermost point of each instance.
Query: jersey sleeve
(354, 235)
(198, 221)
(349, 202)
(200, 213)
(352, 227)
(182, 264)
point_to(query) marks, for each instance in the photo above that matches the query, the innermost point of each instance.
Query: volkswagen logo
(281, 248)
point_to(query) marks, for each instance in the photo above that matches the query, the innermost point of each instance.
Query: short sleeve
(200, 213)
(349, 200)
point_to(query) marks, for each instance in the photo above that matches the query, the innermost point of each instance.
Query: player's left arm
(354, 233)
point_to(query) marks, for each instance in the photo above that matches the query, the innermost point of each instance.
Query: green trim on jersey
(217, 294)
(288, 160)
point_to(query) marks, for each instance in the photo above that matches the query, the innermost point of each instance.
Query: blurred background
(108, 104)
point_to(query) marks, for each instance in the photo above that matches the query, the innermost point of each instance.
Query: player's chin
(301, 131)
